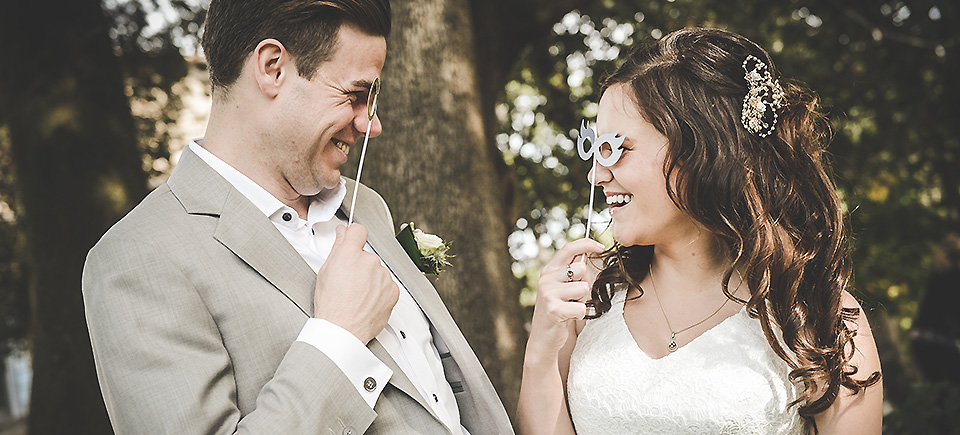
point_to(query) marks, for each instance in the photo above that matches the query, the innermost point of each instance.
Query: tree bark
(434, 167)
(79, 169)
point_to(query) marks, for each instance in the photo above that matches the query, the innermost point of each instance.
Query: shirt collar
(323, 206)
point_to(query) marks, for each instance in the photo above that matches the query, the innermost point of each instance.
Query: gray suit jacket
(194, 302)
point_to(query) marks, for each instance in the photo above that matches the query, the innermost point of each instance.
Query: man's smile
(341, 145)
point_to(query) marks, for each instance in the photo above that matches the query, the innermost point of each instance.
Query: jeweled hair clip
(763, 98)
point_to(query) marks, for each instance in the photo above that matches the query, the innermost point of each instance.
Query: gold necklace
(672, 346)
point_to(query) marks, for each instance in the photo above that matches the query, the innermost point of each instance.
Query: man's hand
(354, 291)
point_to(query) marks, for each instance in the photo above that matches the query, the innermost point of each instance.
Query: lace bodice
(726, 381)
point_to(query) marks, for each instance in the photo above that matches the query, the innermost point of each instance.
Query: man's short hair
(307, 28)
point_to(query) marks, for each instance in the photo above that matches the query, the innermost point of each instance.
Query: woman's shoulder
(860, 325)
(865, 356)
(861, 412)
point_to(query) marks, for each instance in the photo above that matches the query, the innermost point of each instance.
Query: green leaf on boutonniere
(428, 252)
(405, 237)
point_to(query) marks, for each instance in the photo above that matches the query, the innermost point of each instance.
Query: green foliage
(151, 38)
(884, 73)
(928, 409)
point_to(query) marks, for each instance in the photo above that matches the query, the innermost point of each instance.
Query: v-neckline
(626, 329)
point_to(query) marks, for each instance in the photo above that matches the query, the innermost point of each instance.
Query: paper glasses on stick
(372, 97)
(605, 150)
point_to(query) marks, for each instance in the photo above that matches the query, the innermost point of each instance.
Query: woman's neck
(696, 264)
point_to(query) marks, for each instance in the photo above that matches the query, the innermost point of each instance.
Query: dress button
(369, 384)
(403, 335)
(349, 431)
(287, 216)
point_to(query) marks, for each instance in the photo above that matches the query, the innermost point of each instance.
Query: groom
(233, 299)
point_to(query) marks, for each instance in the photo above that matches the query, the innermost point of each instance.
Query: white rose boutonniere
(427, 251)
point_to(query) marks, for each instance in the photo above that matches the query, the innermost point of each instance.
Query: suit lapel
(257, 242)
(381, 237)
(243, 229)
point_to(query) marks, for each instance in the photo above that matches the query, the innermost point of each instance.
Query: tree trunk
(434, 167)
(79, 169)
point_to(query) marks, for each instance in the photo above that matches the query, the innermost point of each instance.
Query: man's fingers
(352, 238)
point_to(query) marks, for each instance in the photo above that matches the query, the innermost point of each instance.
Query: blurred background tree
(74, 68)
(477, 148)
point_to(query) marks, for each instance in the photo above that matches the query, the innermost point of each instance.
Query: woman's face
(635, 186)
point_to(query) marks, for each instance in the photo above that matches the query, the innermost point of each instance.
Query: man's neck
(230, 138)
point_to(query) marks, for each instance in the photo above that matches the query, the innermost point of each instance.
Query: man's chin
(331, 182)
(330, 179)
(318, 188)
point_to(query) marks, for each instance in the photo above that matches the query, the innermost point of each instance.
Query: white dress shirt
(407, 336)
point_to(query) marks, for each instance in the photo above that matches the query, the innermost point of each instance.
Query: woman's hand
(563, 290)
(562, 293)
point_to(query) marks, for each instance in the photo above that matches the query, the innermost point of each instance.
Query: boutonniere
(427, 251)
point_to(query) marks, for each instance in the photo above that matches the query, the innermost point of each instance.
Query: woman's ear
(272, 65)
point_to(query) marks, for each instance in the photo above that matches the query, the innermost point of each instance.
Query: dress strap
(618, 298)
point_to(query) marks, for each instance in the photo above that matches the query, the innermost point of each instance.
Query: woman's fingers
(570, 251)
(572, 310)
(563, 291)
(564, 301)
(571, 291)
(578, 271)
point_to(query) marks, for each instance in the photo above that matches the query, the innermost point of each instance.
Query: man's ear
(273, 64)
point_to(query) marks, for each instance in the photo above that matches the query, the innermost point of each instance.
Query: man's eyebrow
(366, 84)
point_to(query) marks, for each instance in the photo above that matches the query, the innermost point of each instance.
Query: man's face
(321, 119)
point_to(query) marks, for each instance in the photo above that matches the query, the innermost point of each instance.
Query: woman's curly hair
(769, 201)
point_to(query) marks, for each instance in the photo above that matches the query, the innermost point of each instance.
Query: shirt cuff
(364, 370)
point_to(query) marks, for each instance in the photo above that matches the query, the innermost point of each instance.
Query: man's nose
(361, 121)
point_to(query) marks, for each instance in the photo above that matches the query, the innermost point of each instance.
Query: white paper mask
(606, 148)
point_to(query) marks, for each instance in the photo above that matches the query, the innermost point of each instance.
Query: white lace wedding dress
(726, 381)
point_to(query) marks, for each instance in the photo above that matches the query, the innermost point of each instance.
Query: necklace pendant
(672, 346)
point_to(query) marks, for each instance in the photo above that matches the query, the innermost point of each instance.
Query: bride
(723, 306)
